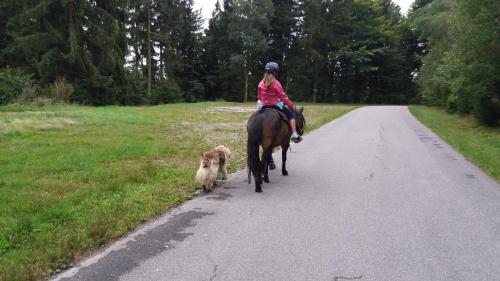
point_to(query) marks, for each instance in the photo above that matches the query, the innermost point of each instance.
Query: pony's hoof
(265, 179)
(285, 173)
(258, 189)
(272, 166)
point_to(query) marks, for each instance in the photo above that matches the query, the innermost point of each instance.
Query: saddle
(274, 107)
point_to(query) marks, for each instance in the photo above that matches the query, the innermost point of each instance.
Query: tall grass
(61, 90)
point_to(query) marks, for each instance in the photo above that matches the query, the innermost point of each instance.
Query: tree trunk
(315, 90)
(161, 70)
(287, 79)
(245, 99)
(148, 7)
(315, 85)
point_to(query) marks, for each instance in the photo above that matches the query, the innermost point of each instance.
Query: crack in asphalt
(221, 196)
(214, 271)
(348, 278)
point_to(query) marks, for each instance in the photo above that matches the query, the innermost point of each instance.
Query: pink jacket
(273, 94)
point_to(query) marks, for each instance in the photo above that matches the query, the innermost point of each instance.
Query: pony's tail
(253, 160)
(249, 174)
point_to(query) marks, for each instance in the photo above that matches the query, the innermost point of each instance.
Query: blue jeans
(287, 111)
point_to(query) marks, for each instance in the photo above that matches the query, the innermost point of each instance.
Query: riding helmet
(272, 67)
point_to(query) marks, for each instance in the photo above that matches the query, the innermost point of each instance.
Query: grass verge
(74, 177)
(477, 143)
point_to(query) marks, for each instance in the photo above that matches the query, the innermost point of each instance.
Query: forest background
(134, 52)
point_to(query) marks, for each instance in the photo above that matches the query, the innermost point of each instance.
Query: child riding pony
(271, 95)
(270, 128)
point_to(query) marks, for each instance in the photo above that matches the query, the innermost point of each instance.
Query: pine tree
(315, 41)
(148, 46)
(80, 40)
(283, 36)
(249, 29)
(237, 38)
(7, 10)
(186, 35)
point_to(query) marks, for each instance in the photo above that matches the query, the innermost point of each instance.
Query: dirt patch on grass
(30, 124)
(229, 109)
(26, 112)
(20, 121)
(212, 126)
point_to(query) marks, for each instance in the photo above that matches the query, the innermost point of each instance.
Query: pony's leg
(257, 173)
(264, 166)
(266, 172)
(258, 185)
(257, 176)
(270, 161)
(284, 150)
(272, 165)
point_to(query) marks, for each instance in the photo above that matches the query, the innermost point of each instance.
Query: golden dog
(212, 162)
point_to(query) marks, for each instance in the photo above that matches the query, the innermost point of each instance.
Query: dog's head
(207, 159)
(205, 163)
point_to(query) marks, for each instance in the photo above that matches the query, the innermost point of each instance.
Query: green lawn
(477, 143)
(74, 177)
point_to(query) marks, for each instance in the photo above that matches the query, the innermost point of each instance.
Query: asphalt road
(373, 195)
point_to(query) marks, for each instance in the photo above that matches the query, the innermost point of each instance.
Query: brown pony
(269, 128)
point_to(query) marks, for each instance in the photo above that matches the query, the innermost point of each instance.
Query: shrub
(487, 109)
(12, 83)
(61, 90)
(195, 93)
(30, 92)
(451, 104)
(135, 91)
(464, 102)
(167, 91)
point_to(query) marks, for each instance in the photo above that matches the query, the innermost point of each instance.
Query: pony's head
(301, 121)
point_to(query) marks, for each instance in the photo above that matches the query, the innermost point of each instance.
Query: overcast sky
(207, 7)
